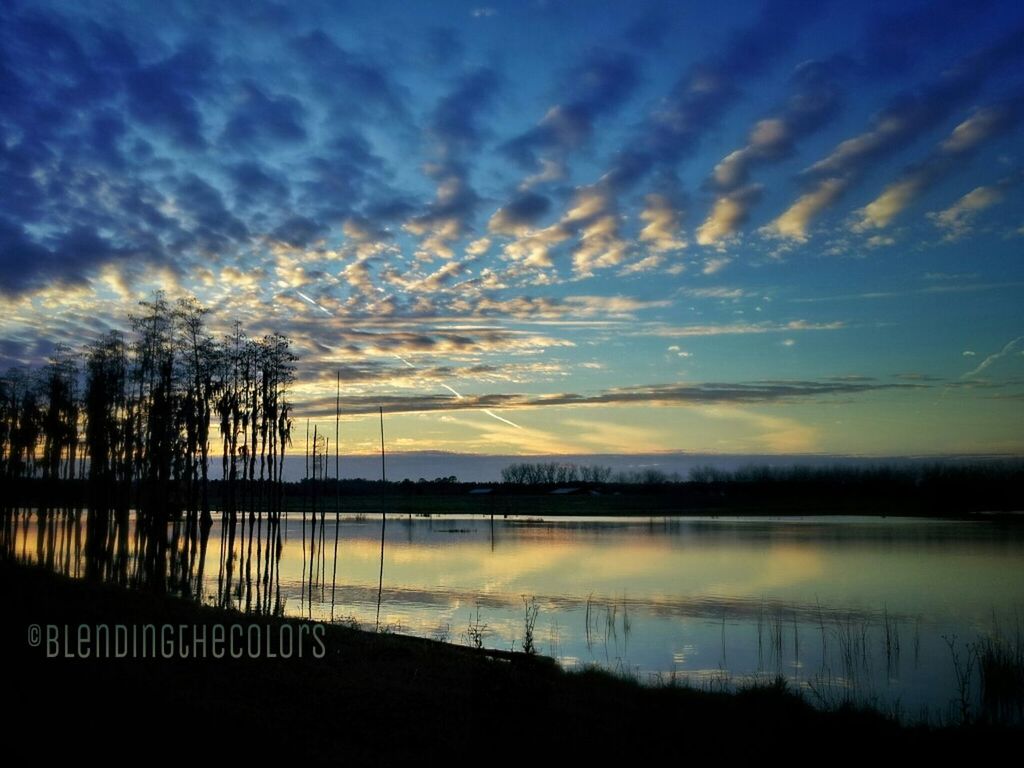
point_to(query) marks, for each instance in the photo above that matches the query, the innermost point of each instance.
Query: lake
(875, 610)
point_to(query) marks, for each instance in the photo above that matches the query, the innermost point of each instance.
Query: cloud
(22, 261)
(533, 248)
(567, 307)
(984, 125)
(261, 120)
(719, 292)
(661, 232)
(455, 129)
(520, 214)
(299, 231)
(957, 220)
(455, 122)
(740, 329)
(447, 218)
(708, 393)
(813, 101)
(941, 288)
(1008, 349)
(592, 218)
(715, 265)
(256, 184)
(599, 85)
(906, 118)
(600, 244)
(211, 225)
(345, 178)
(439, 280)
(795, 222)
(165, 95)
(698, 99)
(354, 85)
(64, 260)
(703, 93)
(388, 179)
(728, 214)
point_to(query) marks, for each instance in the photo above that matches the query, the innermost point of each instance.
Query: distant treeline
(916, 474)
(900, 489)
(948, 488)
(540, 473)
(129, 417)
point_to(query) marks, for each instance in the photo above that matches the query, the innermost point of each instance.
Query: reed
(476, 630)
(964, 666)
(1000, 662)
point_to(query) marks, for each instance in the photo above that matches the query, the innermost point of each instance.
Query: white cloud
(958, 219)
(683, 331)
(1009, 348)
(661, 233)
(727, 215)
(795, 222)
(716, 265)
(964, 139)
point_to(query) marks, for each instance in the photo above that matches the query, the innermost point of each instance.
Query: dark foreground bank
(381, 698)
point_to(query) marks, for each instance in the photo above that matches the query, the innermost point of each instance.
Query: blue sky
(544, 227)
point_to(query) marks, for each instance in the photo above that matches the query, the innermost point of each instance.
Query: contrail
(322, 309)
(501, 418)
(403, 359)
(452, 391)
(1010, 346)
(490, 413)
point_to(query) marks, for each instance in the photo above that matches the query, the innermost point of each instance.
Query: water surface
(866, 608)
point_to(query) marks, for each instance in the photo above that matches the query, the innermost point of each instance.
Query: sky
(543, 226)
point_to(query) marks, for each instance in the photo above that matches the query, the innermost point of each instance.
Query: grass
(1001, 672)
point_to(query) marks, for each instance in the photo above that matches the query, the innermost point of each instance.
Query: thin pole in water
(383, 515)
(312, 530)
(337, 489)
(305, 485)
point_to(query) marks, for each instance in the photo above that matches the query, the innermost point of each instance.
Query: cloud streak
(957, 220)
(981, 127)
(907, 117)
(710, 393)
(1008, 349)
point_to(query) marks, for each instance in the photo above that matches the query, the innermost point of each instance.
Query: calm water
(862, 608)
